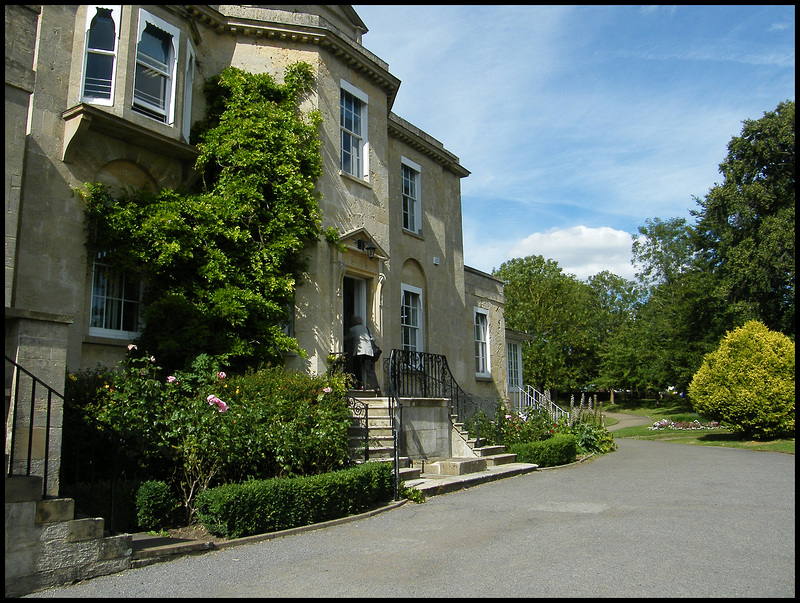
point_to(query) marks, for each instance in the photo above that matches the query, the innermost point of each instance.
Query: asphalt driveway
(653, 519)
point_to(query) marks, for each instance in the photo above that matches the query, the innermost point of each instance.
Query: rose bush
(200, 427)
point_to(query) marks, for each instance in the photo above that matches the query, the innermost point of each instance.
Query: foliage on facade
(221, 264)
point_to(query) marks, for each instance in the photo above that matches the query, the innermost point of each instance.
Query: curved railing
(425, 375)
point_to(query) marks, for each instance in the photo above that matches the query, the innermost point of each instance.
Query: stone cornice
(400, 129)
(321, 34)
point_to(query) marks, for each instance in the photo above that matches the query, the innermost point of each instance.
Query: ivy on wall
(222, 263)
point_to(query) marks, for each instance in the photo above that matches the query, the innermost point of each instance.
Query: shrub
(748, 383)
(560, 449)
(155, 505)
(262, 506)
(591, 435)
(533, 426)
(200, 427)
(480, 425)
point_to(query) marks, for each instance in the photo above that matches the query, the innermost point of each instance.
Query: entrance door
(354, 296)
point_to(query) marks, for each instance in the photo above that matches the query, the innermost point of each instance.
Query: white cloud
(579, 250)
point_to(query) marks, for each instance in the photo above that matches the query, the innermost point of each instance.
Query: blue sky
(580, 123)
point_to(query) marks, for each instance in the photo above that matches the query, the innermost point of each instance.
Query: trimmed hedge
(155, 505)
(561, 449)
(262, 506)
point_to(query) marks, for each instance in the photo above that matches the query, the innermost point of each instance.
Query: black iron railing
(425, 375)
(395, 415)
(26, 417)
(359, 411)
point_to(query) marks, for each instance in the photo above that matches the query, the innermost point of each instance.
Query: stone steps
(381, 445)
(50, 547)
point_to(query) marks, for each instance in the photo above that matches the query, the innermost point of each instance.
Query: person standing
(359, 341)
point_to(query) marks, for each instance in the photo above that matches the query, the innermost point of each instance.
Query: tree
(748, 382)
(745, 227)
(222, 264)
(557, 310)
(663, 250)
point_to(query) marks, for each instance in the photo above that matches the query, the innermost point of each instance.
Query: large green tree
(221, 264)
(746, 225)
(557, 310)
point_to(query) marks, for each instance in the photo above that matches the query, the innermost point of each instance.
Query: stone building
(109, 93)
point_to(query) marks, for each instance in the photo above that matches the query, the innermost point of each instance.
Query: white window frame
(361, 168)
(188, 89)
(91, 13)
(412, 216)
(406, 325)
(483, 365)
(121, 298)
(140, 104)
(514, 355)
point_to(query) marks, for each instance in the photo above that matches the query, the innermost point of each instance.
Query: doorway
(354, 296)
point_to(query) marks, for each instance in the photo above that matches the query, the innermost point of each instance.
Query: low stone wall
(426, 428)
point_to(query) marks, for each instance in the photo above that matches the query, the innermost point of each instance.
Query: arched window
(154, 77)
(102, 31)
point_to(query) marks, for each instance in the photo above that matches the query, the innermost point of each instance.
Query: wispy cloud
(579, 123)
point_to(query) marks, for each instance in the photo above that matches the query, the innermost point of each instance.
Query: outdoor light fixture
(367, 246)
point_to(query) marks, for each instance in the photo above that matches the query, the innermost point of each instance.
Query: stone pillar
(37, 341)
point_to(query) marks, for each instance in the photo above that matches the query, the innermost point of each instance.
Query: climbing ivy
(222, 263)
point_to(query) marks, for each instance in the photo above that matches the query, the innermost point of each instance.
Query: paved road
(653, 519)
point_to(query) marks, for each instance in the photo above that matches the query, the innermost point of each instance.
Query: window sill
(416, 235)
(352, 178)
(107, 340)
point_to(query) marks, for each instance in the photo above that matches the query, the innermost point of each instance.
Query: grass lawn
(677, 409)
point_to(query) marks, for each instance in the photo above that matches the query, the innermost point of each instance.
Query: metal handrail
(13, 408)
(98, 429)
(530, 397)
(426, 375)
(360, 412)
(394, 418)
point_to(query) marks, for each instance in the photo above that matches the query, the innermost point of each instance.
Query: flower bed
(684, 425)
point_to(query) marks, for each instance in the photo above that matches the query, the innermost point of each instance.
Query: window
(156, 58)
(411, 213)
(116, 301)
(481, 342)
(102, 33)
(188, 87)
(353, 123)
(411, 318)
(514, 355)
(514, 363)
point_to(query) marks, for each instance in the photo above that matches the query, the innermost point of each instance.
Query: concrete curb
(147, 555)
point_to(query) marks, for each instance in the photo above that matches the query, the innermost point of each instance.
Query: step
(456, 466)
(489, 450)
(409, 473)
(54, 509)
(500, 459)
(404, 461)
